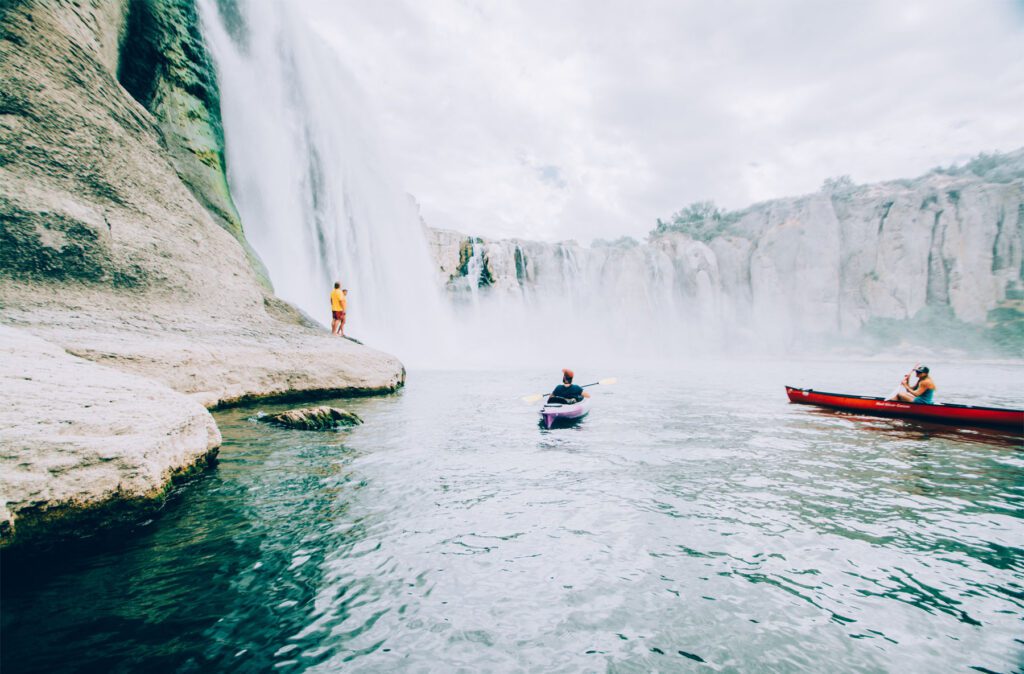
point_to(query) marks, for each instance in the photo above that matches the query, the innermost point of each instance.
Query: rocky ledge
(82, 444)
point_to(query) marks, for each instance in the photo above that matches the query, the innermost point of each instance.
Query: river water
(695, 521)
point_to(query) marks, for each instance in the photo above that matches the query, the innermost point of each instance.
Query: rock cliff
(940, 251)
(119, 245)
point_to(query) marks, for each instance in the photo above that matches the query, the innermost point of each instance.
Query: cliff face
(164, 64)
(832, 263)
(119, 245)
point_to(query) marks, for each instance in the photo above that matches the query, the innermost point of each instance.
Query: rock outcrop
(322, 418)
(119, 243)
(950, 244)
(82, 444)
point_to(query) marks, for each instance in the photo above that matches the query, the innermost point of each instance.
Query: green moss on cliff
(164, 65)
(485, 278)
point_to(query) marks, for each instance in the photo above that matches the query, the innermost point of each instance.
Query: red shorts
(338, 315)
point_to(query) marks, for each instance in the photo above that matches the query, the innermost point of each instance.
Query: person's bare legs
(905, 397)
(334, 326)
(341, 326)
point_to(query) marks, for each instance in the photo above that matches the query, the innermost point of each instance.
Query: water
(450, 532)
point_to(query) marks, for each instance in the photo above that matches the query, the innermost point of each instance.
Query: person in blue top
(922, 392)
(567, 392)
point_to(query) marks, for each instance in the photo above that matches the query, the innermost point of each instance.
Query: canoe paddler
(922, 392)
(567, 392)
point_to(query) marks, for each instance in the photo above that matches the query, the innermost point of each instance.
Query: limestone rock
(824, 264)
(82, 444)
(320, 418)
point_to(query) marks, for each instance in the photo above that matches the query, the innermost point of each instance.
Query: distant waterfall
(567, 302)
(316, 201)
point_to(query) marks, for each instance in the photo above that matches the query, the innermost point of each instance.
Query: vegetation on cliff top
(702, 220)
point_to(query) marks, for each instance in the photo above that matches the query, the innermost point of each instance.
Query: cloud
(583, 120)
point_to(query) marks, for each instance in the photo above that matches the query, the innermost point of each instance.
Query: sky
(584, 119)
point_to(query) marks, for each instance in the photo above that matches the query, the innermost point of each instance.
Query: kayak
(562, 414)
(960, 415)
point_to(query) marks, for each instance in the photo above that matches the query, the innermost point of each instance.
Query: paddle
(899, 389)
(537, 396)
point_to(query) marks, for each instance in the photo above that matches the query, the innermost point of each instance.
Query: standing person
(344, 310)
(921, 392)
(567, 392)
(337, 309)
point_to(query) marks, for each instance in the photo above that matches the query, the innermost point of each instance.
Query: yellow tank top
(337, 300)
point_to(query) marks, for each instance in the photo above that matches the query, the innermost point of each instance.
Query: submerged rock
(321, 418)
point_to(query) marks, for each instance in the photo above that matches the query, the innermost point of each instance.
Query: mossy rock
(321, 418)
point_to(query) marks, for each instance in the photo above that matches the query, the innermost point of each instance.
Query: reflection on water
(921, 430)
(714, 524)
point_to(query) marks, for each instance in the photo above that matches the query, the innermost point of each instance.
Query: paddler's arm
(916, 391)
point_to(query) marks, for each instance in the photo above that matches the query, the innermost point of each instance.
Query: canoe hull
(552, 415)
(958, 415)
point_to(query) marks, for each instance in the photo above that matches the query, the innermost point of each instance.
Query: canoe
(563, 414)
(959, 415)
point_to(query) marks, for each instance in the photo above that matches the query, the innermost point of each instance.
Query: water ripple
(701, 531)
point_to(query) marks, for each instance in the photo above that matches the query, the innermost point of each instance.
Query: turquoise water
(712, 528)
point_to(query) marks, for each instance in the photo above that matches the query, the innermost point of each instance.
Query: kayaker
(567, 392)
(922, 392)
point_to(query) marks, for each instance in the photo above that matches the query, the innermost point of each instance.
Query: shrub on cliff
(702, 220)
(996, 167)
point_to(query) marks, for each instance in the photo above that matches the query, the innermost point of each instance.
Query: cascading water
(318, 205)
(315, 199)
(562, 302)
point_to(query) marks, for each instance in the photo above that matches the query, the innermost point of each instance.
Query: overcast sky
(585, 119)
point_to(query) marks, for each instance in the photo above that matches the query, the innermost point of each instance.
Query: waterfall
(546, 303)
(316, 198)
(319, 204)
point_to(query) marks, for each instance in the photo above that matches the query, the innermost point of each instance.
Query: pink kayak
(559, 413)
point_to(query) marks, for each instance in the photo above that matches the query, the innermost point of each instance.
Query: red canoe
(960, 415)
